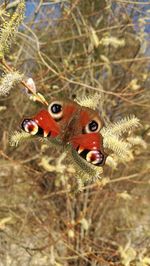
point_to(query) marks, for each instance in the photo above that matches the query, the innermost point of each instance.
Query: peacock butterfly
(74, 124)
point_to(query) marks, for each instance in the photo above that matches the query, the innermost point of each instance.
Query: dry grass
(41, 222)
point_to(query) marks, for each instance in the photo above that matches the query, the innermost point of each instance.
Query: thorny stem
(38, 98)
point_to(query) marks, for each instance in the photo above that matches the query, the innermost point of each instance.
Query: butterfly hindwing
(73, 124)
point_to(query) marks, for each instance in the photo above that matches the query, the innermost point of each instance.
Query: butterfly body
(73, 124)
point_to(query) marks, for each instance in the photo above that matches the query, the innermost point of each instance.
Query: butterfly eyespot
(55, 110)
(30, 126)
(93, 126)
(95, 157)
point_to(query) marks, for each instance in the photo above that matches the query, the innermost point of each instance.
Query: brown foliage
(92, 47)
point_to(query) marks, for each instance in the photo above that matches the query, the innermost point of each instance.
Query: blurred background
(75, 49)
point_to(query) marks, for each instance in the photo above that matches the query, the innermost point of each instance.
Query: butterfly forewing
(90, 147)
(41, 124)
(72, 123)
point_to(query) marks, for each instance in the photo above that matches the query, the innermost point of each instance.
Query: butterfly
(73, 124)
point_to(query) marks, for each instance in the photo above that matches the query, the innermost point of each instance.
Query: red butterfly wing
(90, 147)
(47, 123)
(72, 120)
(41, 124)
(90, 141)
